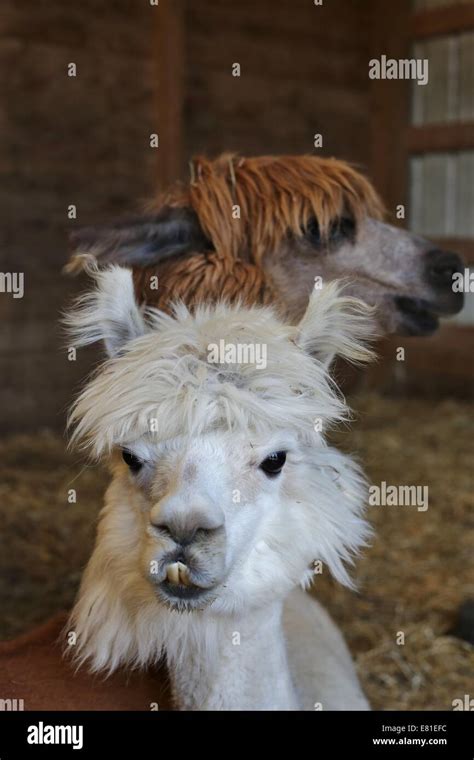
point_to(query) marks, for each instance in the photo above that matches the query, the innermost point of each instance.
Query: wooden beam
(440, 137)
(463, 246)
(438, 21)
(439, 365)
(390, 104)
(169, 89)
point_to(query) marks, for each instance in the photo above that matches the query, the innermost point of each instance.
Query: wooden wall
(64, 140)
(303, 71)
(85, 140)
(430, 128)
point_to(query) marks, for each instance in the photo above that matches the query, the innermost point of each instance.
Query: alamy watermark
(237, 353)
(463, 282)
(385, 495)
(401, 68)
(464, 703)
(42, 733)
(12, 705)
(12, 282)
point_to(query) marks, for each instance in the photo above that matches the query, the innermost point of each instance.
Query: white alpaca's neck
(246, 666)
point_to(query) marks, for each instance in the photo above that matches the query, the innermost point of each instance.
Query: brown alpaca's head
(270, 229)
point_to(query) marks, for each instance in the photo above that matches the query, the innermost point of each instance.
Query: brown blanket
(32, 669)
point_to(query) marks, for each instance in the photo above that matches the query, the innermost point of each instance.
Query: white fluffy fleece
(203, 429)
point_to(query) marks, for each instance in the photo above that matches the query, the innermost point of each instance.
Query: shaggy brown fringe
(276, 195)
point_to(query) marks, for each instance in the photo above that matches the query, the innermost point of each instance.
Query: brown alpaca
(268, 229)
(35, 676)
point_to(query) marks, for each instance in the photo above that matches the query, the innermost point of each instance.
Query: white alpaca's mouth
(177, 574)
(182, 598)
(179, 591)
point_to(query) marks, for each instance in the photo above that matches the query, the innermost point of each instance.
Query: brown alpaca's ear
(336, 325)
(140, 241)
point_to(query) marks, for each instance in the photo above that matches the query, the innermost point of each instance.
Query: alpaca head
(224, 489)
(285, 220)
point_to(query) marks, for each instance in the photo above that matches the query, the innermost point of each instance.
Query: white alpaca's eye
(273, 464)
(134, 463)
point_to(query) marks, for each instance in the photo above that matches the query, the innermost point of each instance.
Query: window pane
(466, 77)
(464, 225)
(466, 316)
(449, 94)
(429, 184)
(436, 102)
(442, 194)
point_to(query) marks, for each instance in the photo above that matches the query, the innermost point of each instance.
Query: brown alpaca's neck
(203, 278)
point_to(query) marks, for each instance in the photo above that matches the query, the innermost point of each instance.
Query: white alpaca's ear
(335, 325)
(108, 313)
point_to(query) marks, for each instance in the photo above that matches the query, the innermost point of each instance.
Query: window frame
(394, 138)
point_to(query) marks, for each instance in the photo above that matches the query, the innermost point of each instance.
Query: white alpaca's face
(206, 505)
(224, 491)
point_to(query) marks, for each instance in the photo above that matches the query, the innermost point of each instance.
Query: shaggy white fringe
(162, 379)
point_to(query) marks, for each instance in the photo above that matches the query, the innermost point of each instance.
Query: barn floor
(411, 581)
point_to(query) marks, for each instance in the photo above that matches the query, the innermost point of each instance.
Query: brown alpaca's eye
(342, 229)
(273, 464)
(131, 460)
(312, 232)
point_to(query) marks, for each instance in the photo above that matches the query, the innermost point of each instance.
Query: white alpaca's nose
(185, 528)
(186, 535)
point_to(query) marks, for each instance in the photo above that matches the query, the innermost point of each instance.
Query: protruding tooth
(183, 574)
(172, 572)
(177, 573)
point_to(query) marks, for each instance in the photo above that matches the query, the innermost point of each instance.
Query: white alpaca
(224, 492)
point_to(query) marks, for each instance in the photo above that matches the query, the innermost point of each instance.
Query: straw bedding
(412, 580)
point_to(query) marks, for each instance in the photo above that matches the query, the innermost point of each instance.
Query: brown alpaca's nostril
(441, 266)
